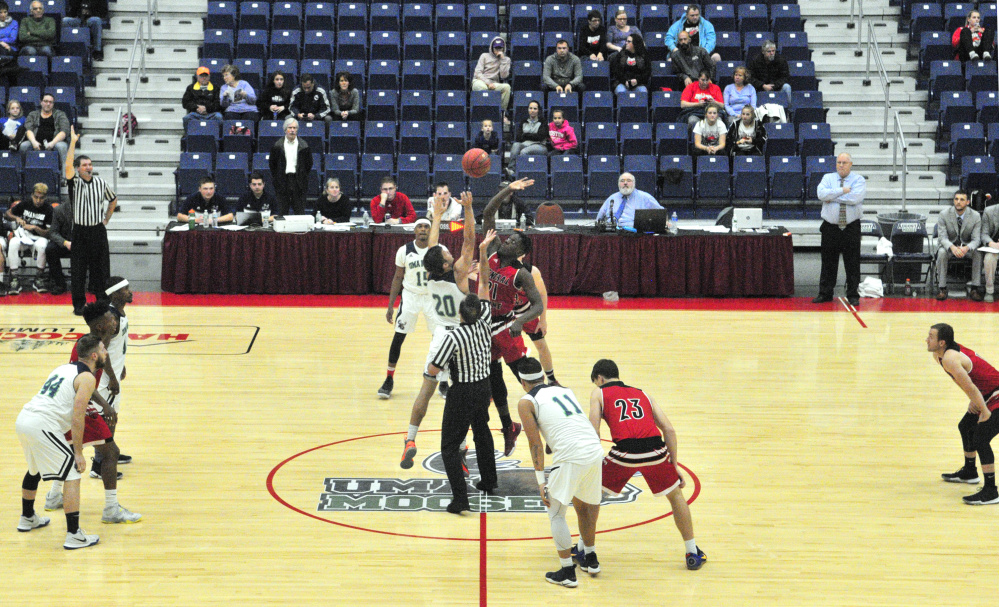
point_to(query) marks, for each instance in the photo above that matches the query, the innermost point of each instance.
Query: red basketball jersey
(73, 357)
(628, 412)
(983, 375)
(506, 297)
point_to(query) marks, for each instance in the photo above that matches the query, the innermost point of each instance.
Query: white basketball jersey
(117, 348)
(52, 407)
(565, 425)
(415, 279)
(446, 298)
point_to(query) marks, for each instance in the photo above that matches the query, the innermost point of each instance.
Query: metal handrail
(873, 50)
(856, 22)
(898, 139)
(118, 150)
(153, 14)
(123, 133)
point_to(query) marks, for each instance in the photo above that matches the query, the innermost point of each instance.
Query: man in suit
(990, 238)
(291, 163)
(959, 235)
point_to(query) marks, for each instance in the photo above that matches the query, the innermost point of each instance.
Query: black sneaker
(443, 388)
(566, 576)
(458, 507)
(3, 288)
(78, 311)
(40, 286)
(587, 562)
(695, 561)
(988, 495)
(15, 286)
(483, 487)
(386, 390)
(964, 475)
(124, 459)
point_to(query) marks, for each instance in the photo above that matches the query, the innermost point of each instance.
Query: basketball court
(811, 438)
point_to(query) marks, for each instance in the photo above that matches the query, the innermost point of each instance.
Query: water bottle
(674, 225)
(366, 219)
(319, 219)
(215, 218)
(265, 215)
(200, 218)
(191, 219)
(908, 287)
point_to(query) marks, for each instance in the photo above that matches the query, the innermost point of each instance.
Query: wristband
(540, 475)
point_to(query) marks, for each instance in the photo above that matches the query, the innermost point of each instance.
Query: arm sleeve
(355, 103)
(976, 235)
(377, 211)
(825, 190)
(856, 195)
(504, 71)
(753, 69)
(323, 113)
(479, 66)
(293, 102)
(943, 233)
(55, 234)
(546, 73)
(671, 35)
(604, 208)
(62, 122)
(783, 73)
(707, 37)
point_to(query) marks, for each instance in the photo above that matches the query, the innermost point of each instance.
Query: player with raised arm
(447, 285)
(980, 382)
(510, 286)
(644, 441)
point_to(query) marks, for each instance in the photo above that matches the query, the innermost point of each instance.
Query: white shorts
(410, 308)
(48, 453)
(435, 344)
(113, 400)
(567, 481)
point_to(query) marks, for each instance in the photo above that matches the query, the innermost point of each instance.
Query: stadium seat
(67, 71)
(254, 16)
(967, 139)
(525, 45)
(218, 43)
(712, 181)
(417, 46)
(596, 75)
(221, 16)
(934, 46)
(987, 106)
(202, 136)
(678, 179)
(551, 39)
(665, 106)
(452, 75)
(925, 18)
(752, 43)
(383, 75)
(251, 70)
(352, 16)
(802, 76)
(418, 75)
(486, 105)
(536, 168)
(557, 18)
(954, 15)
(386, 46)
(485, 187)
(815, 168)
(602, 173)
(753, 18)
(599, 139)
(11, 171)
(981, 76)
(451, 138)
(655, 46)
(793, 45)
(749, 181)
(413, 174)
(630, 9)
(632, 106)
(663, 77)
(581, 10)
(191, 168)
(636, 139)
(344, 168)
(787, 182)
(352, 44)
(374, 167)
(729, 45)
(447, 167)
(955, 107)
(345, 137)
(320, 16)
(482, 17)
(452, 46)
(786, 18)
(478, 43)
(567, 176)
(521, 99)
(527, 75)
(993, 140)
(252, 44)
(29, 96)
(418, 17)
(65, 99)
(977, 173)
(416, 138)
(231, 172)
(721, 16)
(286, 16)
(451, 106)
(945, 76)
(449, 17)
(383, 105)
(34, 71)
(290, 71)
(379, 137)
(671, 139)
(314, 134)
(269, 131)
(524, 18)
(598, 106)
(286, 44)
(643, 168)
(780, 140)
(808, 107)
(385, 17)
(815, 139)
(567, 102)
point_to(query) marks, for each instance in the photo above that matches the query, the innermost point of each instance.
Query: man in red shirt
(392, 207)
(644, 441)
(697, 96)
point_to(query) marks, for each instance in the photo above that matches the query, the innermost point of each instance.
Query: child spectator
(561, 135)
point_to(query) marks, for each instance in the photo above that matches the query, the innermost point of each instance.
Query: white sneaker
(35, 522)
(113, 516)
(53, 501)
(80, 539)
(990, 298)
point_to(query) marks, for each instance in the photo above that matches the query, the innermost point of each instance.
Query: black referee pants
(467, 405)
(836, 242)
(90, 255)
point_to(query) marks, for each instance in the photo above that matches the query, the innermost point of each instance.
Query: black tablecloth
(571, 262)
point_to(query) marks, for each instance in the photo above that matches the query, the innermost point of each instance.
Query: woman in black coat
(274, 101)
(630, 67)
(747, 135)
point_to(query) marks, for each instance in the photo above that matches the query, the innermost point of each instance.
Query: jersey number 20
(445, 306)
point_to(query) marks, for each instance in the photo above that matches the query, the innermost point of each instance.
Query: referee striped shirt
(89, 198)
(466, 350)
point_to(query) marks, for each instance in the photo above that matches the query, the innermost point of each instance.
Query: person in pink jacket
(562, 137)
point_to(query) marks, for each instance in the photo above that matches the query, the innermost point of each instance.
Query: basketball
(475, 163)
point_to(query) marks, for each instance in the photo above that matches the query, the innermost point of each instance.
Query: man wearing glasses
(392, 207)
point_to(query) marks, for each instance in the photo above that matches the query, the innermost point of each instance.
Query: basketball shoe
(964, 475)
(117, 514)
(32, 522)
(408, 453)
(124, 459)
(695, 561)
(458, 507)
(386, 390)
(95, 469)
(988, 495)
(510, 438)
(53, 501)
(80, 539)
(566, 576)
(587, 562)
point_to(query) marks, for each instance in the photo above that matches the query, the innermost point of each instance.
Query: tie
(620, 210)
(842, 211)
(960, 225)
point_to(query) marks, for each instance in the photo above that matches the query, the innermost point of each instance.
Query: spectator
(8, 36)
(531, 136)
(701, 32)
(618, 34)
(31, 231)
(93, 13)
(201, 101)
(291, 163)
(205, 200)
(688, 59)
(563, 71)
(46, 129)
(697, 96)
(973, 41)
(332, 205)
(59, 247)
(739, 93)
(310, 102)
(959, 234)
(513, 208)
(747, 136)
(257, 197)
(487, 139)
(769, 71)
(561, 135)
(494, 67)
(620, 207)
(237, 97)
(630, 68)
(592, 37)
(709, 133)
(453, 211)
(990, 238)
(348, 98)
(275, 101)
(392, 207)
(12, 131)
(37, 33)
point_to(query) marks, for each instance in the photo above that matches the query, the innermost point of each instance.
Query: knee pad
(30, 482)
(560, 528)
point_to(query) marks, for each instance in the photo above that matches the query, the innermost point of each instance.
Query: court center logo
(517, 491)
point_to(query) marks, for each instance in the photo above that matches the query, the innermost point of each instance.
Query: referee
(90, 252)
(466, 352)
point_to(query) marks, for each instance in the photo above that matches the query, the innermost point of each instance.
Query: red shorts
(662, 477)
(508, 347)
(531, 330)
(95, 430)
(992, 403)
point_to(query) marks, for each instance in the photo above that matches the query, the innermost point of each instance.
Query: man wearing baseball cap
(494, 67)
(201, 99)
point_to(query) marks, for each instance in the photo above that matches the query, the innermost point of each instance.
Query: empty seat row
(951, 75)
(18, 175)
(964, 106)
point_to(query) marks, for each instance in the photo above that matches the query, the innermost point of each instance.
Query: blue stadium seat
(486, 186)
(418, 46)
(413, 176)
(665, 106)
(526, 75)
(793, 46)
(251, 70)
(486, 105)
(479, 42)
(260, 163)
(35, 71)
(780, 140)
(313, 133)
(416, 105)
(981, 76)
(778, 97)
(344, 168)
(452, 46)
(721, 16)
(66, 71)
(977, 173)
(536, 168)
(286, 16)
(945, 76)
(352, 44)
(802, 76)
(630, 9)
(663, 76)
(449, 16)
(418, 17)
(451, 106)
(786, 18)
(418, 75)
(749, 180)
(320, 16)
(252, 44)
(231, 172)
(254, 16)
(596, 75)
(379, 137)
(452, 75)
(191, 168)
(567, 102)
(934, 46)
(345, 137)
(632, 106)
(416, 138)
(993, 140)
(550, 39)
(682, 192)
(712, 182)
(815, 168)
(598, 106)
(671, 139)
(286, 44)
(29, 96)
(65, 98)
(557, 18)
(383, 75)
(580, 12)
(599, 139)
(521, 99)
(218, 43)
(786, 180)
(729, 46)
(314, 183)
(966, 140)
(289, 69)
(374, 167)
(451, 138)
(11, 171)
(655, 46)
(955, 107)
(214, 65)
(447, 167)
(482, 17)
(636, 139)
(386, 46)
(525, 46)
(602, 173)
(202, 136)
(567, 176)
(221, 16)
(988, 11)
(987, 106)
(724, 71)
(752, 43)
(383, 106)
(643, 167)
(925, 18)
(239, 144)
(352, 16)
(385, 17)
(753, 18)
(524, 18)
(808, 107)
(954, 15)
(815, 139)
(353, 67)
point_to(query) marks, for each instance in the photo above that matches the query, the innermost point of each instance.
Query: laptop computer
(248, 218)
(651, 220)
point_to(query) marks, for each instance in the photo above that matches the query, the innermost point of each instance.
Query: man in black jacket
(310, 102)
(201, 99)
(291, 163)
(93, 13)
(770, 72)
(59, 246)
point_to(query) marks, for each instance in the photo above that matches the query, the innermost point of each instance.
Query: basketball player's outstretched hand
(466, 199)
(521, 184)
(484, 245)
